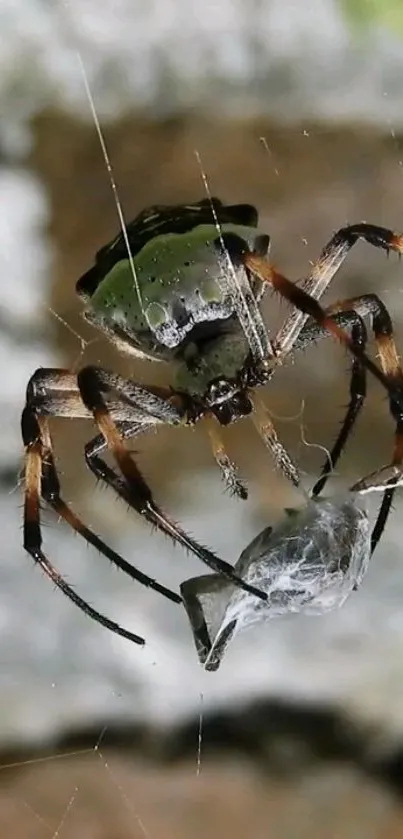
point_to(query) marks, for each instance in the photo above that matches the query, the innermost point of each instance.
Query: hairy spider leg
(56, 393)
(391, 377)
(228, 468)
(57, 398)
(350, 313)
(330, 260)
(370, 304)
(41, 480)
(311, 334)
(264, 425)
(93, 383)
(301, 300)
(237, 284)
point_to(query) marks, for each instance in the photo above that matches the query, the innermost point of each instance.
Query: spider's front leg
(94, 383)
(324, 269)
(311, 308)
(388, 477)
(311, 334)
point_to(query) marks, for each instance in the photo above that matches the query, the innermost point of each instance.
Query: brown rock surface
(103, 796)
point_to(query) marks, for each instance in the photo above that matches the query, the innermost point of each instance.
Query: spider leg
(353, 310)
(61, 401)
(311, 333)
(331, 258)
(390, 375)
(228, 469)
(151, 402)
(93, 384)
(56, 393)
(389, 379)
(264, 425)
(387, 477)
(245, 292)
(40, 481)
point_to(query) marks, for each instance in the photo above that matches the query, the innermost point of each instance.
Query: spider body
(173, 299)
(183, 284)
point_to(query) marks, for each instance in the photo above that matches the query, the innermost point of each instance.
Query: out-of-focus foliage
(368, 13)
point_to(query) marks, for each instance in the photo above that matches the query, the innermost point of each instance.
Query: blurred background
(300, 732)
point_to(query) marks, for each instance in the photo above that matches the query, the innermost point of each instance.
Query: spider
(184, 284)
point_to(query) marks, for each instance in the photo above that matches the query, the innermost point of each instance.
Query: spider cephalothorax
(183, 284)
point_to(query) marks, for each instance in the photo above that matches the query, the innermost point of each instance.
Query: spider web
(54, 831)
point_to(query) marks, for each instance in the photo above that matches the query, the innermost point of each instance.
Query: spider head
(228, 400)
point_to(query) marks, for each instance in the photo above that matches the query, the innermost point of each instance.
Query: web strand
(111, 176)
(107, 161)
(243, 309)
(200, 738)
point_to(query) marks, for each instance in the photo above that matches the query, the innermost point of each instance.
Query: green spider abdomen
(178, 282)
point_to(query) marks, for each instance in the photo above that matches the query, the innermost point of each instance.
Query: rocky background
(300, 731)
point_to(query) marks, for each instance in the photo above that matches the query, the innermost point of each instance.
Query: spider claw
(237, 489)
(242, 491)
(389, 477)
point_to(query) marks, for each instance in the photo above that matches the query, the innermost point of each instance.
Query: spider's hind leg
(312, 333)
(54, 393)
(351, 312)
(358, 392)
(388, 477)
(41, 480)
(326, 266)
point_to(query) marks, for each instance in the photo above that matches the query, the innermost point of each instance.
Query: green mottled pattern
(168, 268)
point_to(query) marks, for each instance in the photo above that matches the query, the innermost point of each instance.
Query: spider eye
(220, 390)
(225, 389)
